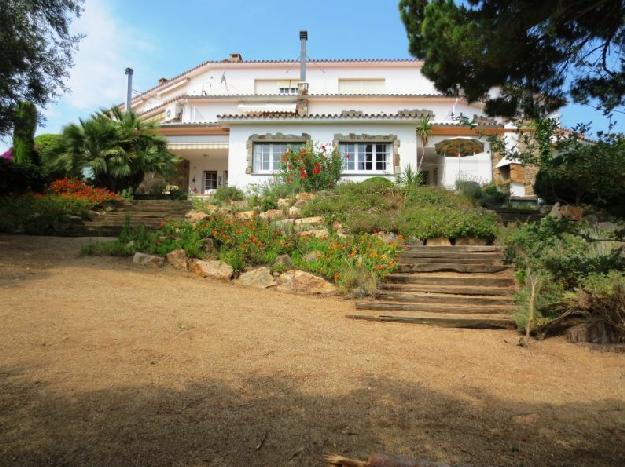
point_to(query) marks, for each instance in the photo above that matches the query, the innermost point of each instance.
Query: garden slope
(102, 363)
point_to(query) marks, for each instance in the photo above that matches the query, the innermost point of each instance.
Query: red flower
(303, 174)
(316, 168)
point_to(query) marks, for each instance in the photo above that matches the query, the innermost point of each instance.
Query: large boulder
(144, 259)
(304, 282)
(260, 278)
(305, 196)
(295, 212)
(438, 241)
(213, 269)
(309, 220)
(316, 233)
(178, 259)
(284, 202)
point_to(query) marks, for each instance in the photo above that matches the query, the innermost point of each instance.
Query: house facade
(231, 120)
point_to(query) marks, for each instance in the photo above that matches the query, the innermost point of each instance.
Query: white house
(232, 119)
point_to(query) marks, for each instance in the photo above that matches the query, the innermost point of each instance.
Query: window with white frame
(210, 180)
(289, 90)
(365, 157)
(268, 156)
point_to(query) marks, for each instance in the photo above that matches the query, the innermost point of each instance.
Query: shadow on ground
(272, 421)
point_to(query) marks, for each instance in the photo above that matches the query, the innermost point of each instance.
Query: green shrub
(376, 184)
(310, 168)
(108, 248)
(225, 194)
(20, 178)
(603, 297)
(40, 214)
(470, 189)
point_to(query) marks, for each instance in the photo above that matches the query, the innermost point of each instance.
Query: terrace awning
(459, 147)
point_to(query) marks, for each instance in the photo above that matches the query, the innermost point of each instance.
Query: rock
(567, 210)
(294, 211)
(272, 214)
(213, 269)
(470, 241)
(317, 233)
(145, 259)
(284, 202)
(300, 204)
(438, 241)
(208, 245)
(196, 216)
(284, 261)
(305, 196)
(260, 278)
(304, 282)
(336, 225)
(313, 255)
(245, 215)
(178, 259)
(309, 220)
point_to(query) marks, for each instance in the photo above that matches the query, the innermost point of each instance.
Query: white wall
(477, 168)
(198, 163)
(322, 134)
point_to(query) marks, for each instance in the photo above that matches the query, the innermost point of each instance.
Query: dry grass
(102, 363)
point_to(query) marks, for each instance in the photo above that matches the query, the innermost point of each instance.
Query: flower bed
(73, 189)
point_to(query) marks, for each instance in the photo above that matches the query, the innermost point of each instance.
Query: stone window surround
(365, 138)
(270, 138)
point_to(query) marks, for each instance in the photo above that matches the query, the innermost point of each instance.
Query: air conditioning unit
(173, 112)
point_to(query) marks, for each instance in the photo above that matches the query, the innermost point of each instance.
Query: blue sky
(163, 37)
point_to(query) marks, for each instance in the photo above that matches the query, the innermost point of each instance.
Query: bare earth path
(102, 363)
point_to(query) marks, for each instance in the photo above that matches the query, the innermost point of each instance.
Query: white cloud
(97, 78)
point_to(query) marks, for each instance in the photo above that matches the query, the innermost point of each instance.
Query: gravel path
(103, 363)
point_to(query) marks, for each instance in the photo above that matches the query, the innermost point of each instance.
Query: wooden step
(455, 279)
(466, 321)
(430, 297)
(425, 253)
(447, 289)
(454, 267)
(435, 307)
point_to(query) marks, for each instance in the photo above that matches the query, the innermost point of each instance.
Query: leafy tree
(117, 148)
(50, 147)
(35, 52)
(528, 49)
(24, 133)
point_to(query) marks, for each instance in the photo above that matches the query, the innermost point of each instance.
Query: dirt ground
(103, 363)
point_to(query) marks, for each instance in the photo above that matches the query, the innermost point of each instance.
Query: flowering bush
(312, 169)
(70, 188)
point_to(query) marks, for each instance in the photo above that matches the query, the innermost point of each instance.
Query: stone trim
(270, 138)
(365, 138)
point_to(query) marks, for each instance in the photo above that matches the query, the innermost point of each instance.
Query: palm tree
(117, 148)
(424, 131)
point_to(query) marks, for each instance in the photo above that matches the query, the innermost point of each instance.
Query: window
(268, 156)
(288, 91)
(365, 157)
(210, 180)
(275, 86)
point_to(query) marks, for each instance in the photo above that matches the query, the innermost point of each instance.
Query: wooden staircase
(451, 286)
(150, 213)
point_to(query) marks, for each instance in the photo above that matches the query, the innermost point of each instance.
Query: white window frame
(205, 187)
(365, 153)
(267, 152)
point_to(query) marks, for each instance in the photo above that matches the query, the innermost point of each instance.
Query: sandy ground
(103, 363)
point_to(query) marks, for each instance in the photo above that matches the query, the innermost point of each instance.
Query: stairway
(150, 213)
(451, 286)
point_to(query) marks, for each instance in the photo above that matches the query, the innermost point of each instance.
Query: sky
(161, 38)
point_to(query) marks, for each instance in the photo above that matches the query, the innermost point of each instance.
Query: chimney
(129, 72)
(235, 57)
(303, 37)
(162, 81)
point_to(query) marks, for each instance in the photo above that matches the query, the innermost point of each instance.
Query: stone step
(428, 254)
(411, 260)
(466, 321)
(454, 267)
(454, 248)
(433, 297)
(448, 289)
(435, 307)
(452, 279)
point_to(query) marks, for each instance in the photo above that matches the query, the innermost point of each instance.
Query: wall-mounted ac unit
(173, 112)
